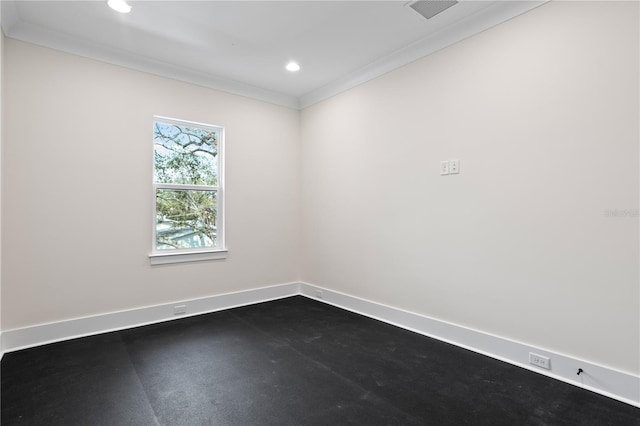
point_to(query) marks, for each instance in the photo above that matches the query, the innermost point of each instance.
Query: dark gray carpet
(293, 361)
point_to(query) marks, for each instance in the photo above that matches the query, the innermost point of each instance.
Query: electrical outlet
(454, 167)
(444, 167)
(539, 361)
(319, 294)
(179, 309)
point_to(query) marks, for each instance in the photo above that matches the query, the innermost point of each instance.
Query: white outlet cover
(539, 361)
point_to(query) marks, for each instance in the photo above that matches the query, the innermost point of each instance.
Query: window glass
(185, 219)
(185, 155)
(187, 184)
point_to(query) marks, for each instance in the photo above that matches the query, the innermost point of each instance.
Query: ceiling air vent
(430, 8)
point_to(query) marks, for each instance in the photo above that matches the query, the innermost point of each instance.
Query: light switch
(454, 167)
(444, 167)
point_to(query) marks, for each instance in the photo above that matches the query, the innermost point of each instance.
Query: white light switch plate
(454, 167)
(444, 167)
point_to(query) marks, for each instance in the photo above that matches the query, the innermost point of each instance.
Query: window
(188, 199)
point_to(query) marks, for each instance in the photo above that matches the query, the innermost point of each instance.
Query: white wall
(543, 113)
(77, 189)
(1, 149)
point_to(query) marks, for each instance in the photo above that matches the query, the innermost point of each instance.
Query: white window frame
(159, 257)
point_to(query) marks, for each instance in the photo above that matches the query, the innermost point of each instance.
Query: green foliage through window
(186, 177)
(185, 155)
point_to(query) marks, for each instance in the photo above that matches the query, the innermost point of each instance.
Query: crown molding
(14, 28)
(482, 20)
(464, 28)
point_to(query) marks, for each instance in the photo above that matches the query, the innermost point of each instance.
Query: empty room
(320, 212)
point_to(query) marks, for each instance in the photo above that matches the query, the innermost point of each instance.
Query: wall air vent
(430, 8)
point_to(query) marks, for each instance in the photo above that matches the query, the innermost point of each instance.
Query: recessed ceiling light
(293, 67)
(119, 6)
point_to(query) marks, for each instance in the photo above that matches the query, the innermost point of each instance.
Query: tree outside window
(187, 184)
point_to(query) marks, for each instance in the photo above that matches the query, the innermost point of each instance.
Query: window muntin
(187, 185)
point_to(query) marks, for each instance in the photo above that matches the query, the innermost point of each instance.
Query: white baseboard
(606, 381)
(615, 384)
(41, 334)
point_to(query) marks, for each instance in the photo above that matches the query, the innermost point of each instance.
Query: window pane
(185, 219)
(186, 155)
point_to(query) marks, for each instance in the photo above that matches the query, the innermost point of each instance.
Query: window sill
(186, 256)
